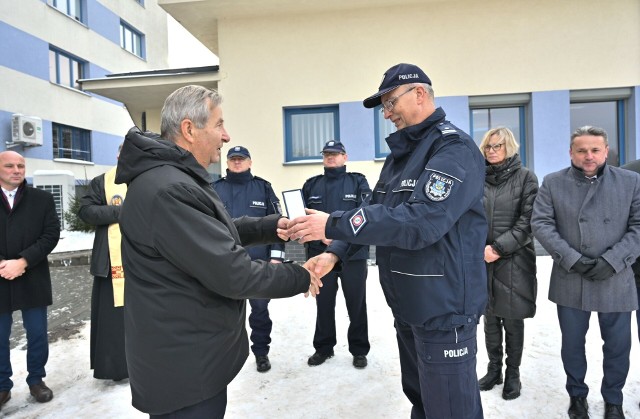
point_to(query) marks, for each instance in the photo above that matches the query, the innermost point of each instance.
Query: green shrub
(74, 223)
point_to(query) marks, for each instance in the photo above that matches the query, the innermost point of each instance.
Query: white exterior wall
(467, 47)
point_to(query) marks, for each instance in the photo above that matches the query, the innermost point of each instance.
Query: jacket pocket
(420, 283)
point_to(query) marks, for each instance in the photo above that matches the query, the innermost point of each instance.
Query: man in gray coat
(587, 217)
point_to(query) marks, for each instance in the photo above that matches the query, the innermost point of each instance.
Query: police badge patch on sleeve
(438, 187)
(357, 221)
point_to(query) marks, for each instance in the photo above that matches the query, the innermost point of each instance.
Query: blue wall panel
(356, 131)
(551, 131)
(103, 21)
(104, 147)
(457, 110)
(23, 52)
(5, 129)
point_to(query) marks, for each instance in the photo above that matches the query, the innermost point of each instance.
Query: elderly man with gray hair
(188, 275)
(587, 216)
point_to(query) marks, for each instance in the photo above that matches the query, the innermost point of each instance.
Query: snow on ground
(335, 389)
(71, 241)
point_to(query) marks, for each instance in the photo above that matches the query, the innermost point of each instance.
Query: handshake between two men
(304, 229)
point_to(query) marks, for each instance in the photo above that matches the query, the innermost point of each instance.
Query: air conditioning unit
(26, 130)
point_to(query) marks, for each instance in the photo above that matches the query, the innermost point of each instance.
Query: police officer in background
(339, 190)
(426, 219)
(245, 194)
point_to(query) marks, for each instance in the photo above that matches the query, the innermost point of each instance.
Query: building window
(71, 142)
(382, 129)
(307, 129)
(484, 119)
(65, 69)
(604, 108)
(131, 40)
(492, 111)
(71, 8)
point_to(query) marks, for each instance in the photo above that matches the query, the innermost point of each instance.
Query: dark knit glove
(601, 271)
(583, 265)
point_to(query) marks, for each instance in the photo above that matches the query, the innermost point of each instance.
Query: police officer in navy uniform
(426, 219)
(245, 194)
(335, 190)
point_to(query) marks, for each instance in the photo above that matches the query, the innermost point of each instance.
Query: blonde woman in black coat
(510, 257)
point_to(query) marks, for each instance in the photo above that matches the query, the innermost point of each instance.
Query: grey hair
(189, 102)
(505, 135)
(590, 130)
(428, 88)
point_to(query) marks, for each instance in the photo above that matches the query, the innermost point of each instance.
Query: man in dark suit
(30, 229)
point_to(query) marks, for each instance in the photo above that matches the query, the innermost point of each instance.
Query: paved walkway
(71, 283)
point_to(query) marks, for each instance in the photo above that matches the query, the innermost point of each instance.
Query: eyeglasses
(495, 147)
(389, 104)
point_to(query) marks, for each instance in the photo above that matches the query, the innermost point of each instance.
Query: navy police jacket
(245, 194)
(336, 190)
(427, 221)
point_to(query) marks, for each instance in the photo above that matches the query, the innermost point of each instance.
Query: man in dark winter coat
(427, 222)
(245, 194)
(587, 216)
(339, 190)
(30, 229)
(187, 273)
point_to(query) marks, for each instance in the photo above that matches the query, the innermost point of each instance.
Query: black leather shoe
(578, 408)
(262, 363)
(41, 392)
(613, 411)
(360, 361)
(318, 358)
(4, 397)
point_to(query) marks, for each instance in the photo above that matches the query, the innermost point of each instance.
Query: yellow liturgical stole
(115, 196)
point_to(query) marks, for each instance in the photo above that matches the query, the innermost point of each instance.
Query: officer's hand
(308, 227)
(601, 271)
(583, 265)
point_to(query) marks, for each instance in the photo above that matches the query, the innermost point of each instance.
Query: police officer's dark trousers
(615, 330)
(354, 288)
(439, 371)
(261, 326)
